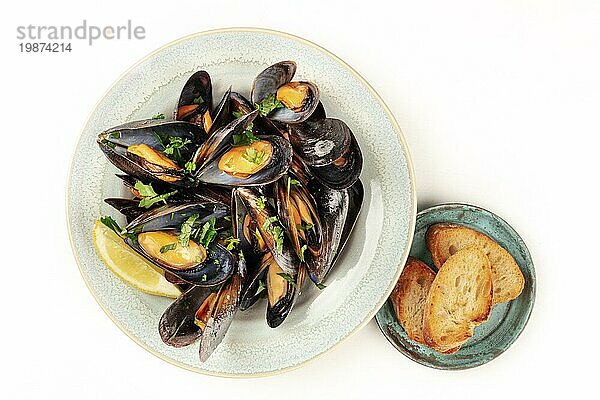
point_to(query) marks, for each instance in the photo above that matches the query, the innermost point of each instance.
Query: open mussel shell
(328, 147)
(269, 228)
(338, 211)
(152, 136)
(195, 98)
(221, 316)
(297, 111)
(213, 269)
(130, 208)
(282, 292)
(176, 326)
(254, 285)
(221, 114)
(300, 99)
(278, 163)
(297, 211)
(221, 139)
(271, 79)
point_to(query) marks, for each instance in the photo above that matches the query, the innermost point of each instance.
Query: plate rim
(530, 306)
(397, 130)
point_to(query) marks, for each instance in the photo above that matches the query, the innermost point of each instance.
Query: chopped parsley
(186, 230)
(304, 227)
(208, 233)
(204, 277)
(276, 232)
(149, 196)
(174, 147)
(168, 247)
(198, 100)
(295, 182)
(261, 286)
(261, 202)
(288, 278)
(112, 224)
(254, 156)
(237, 114)
(246, 138)
(190, 166)
(321, 286)
(302, 250)
(158, 116)
(231, 242)
(269, 104)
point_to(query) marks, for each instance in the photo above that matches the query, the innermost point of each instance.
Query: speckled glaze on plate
(376, 251)
(507, 320)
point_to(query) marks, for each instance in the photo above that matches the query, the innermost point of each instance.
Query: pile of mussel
(238, 201)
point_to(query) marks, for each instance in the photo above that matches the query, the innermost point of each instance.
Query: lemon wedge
(129, 266)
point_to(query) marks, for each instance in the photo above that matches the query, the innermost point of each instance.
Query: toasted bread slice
(444, 240)
(459, 299)
(409, 295)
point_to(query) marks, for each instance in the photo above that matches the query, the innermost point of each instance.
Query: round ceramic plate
(506, 321)
(374, 255)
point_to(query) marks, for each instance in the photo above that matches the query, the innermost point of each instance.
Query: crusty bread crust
(409, 296)
(443, 240)
(459, 299)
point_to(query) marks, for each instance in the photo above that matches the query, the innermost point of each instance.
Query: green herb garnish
(198, 100)
(320, 286)
(231, 242)
(149, 196)
(190, 166)
(269, 104)
(208, 233)
(302, 250)
(261, 202)
(237, 114)
(158, 116)
(168, 247)
(288, 278)
(261, 286)
(112, 224)
(278, 238)
(253, 155)
(246, 138)
(304, 227)
(174, 147)
(186, 230)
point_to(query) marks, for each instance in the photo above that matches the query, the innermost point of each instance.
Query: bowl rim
(530, 305)
(397, 130)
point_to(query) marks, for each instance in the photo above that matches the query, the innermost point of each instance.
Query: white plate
(373, 258)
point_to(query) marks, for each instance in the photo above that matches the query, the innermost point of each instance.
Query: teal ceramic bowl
(507, 320)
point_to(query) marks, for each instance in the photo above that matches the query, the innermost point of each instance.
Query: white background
(499, 104)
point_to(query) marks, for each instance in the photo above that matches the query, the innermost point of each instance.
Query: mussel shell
(288, 116)
(284, 257)
(250, 294)
(176, 326)
(115, 141)
(356, 194)
(219, 264)
(338, 210)
(271, 78)
(341, 175)
(278, 312)
(313, 237)
(221, 139)
(318, 114)
(278, 165)
(239, 104)
(221, 115)
(221, 316)
(321, 142)
(198, 85)
(128, 207)
(173, 216)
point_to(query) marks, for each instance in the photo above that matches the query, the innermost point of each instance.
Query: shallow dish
(507, 320)
(373, 258)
